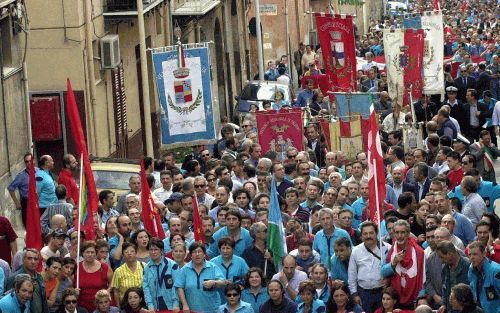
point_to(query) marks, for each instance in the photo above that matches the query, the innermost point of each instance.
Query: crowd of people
(436, 248)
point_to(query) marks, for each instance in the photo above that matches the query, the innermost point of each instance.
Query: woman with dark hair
(309, 303)
(141, 239)
(211, 183)
(197, 282)
(341, 301)
(133, 301)
(69, 301)
(462, 299)
(390, 301)
(233, 301)
(94, 275)
(494, 222)
(129, 274)
(255, 291)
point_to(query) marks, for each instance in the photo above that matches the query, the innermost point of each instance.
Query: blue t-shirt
(198, 298)
(255, 300)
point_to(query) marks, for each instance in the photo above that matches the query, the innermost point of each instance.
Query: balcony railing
(128, 7)
(193, 7)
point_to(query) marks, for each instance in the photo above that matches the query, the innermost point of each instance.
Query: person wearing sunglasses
(234, 303)
(69, 303)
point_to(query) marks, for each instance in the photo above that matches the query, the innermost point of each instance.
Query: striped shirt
(124, 278)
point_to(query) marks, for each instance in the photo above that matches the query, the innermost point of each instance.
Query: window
(6, 42)
(96, 50)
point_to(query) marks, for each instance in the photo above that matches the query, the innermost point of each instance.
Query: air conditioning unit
(110, 51)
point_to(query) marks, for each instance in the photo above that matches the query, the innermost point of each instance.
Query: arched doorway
(219, 66)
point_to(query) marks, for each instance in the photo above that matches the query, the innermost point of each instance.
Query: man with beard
(66, 178)
(404, 265)
(364, 283)
(124, 225)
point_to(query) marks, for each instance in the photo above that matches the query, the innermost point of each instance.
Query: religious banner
(184, 86)
(412, 137)
(336, 37)
(404, 51)
(432, 23)
(352, 103)
(278, 130)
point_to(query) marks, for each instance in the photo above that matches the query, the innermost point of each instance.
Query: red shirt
(455, 177)
(66, 178)
(9, 235)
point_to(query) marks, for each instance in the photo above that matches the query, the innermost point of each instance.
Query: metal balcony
(192, 7)
(128, 8)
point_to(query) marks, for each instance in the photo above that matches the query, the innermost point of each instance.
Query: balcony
(128, 8)
(192, 7)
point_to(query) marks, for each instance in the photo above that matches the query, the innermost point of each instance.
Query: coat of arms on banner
(404, 61)
(184, 103)
(337, 48)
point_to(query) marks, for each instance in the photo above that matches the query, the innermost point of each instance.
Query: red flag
(150, 216)
(463, 8)
(336, 37)
(81, 147)
(376, 173)
(197, 225)
(33, 226)
(437, 7)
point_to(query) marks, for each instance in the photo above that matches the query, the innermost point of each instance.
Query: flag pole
(79, 223)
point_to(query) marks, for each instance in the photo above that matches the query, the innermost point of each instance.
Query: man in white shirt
(165, 190)
(364, 282)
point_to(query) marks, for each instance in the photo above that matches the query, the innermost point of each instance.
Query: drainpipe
(144, 79)
(89, 36)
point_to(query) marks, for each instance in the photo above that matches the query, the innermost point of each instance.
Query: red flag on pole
(33, 226)
(150, 216)
(197, 225)
(81, 147)
(376, 173)
(437, 7)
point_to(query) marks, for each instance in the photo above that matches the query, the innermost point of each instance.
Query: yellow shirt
(124, 278)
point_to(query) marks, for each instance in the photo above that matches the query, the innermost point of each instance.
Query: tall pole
(145, 79)
(287, 36)
(259, 40)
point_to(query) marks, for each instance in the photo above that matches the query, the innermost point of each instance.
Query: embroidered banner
(278, 130)
(432, 24)
(184, 87)
(336, 37)
(352, 104)
(404, 50)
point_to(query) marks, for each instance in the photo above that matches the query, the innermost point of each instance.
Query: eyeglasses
(211, 180)
(205, 155)
(70, 301)
(291, 156)
(463, 71)
(465, 163)
(245, 126)
(199, 186)
(229, 295)
(27, 161)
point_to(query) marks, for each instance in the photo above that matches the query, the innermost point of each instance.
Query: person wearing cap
(463, 83)
(56, 242)
(174, 203)
(457, 110)
(461, 145)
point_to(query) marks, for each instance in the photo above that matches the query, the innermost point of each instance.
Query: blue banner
(349, 104)
(185, 93)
